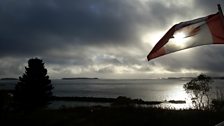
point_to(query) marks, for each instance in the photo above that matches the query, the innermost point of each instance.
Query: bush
(199, 88)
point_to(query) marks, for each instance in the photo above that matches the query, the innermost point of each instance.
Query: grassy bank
(112, 116)
(121, 112)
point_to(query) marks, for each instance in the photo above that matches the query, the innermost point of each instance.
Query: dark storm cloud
(164, 14)
(98, 36)
(207, 5)
(48, 24)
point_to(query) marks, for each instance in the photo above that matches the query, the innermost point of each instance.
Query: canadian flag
(202, 31)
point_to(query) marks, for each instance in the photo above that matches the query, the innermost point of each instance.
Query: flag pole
(221, 13)
(220, 9)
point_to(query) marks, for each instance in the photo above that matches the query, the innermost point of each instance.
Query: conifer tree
(34, 88)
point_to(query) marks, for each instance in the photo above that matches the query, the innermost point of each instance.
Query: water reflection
(147, 90)
(178, 93)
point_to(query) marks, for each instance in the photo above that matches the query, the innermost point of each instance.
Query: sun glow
(152, 38)
(179, 36)
(180, 39)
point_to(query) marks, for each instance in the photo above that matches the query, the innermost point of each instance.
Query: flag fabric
(202, 31)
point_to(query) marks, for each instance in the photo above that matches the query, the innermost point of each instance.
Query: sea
(145, 89)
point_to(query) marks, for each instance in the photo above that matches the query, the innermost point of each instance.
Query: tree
(199, 88)
(34, 88)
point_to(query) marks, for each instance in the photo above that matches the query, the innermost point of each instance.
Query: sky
(102, 38)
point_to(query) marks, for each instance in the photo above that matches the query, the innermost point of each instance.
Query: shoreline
(121, 111)
(120, 100)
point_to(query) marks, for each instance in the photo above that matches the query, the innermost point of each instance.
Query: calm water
(144, 89)
(149, 90)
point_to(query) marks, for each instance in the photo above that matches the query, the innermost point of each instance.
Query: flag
(202, 31)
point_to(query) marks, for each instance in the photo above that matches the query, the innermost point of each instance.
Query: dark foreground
(122, 112)
(112, 116)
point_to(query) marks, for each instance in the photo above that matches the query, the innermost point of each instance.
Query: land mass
(9, 78)
(188, 78)
(121, 100)
(78, 78)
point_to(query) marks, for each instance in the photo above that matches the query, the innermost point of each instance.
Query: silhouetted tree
(34, 88)
(199, 88)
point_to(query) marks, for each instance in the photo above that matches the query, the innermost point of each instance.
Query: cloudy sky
(102, 38)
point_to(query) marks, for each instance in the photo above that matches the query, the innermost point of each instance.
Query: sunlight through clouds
(152, 38)
(180, 40)
(101, 37)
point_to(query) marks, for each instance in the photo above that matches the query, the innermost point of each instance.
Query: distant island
(9, 79)
(217, 77)
(192, 78)
(180, 78)
(79, 78)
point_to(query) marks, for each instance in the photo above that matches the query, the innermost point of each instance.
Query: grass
(121, 112)
(112, 116)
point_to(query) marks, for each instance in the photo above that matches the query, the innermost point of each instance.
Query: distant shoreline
(80, 78)
(95, 78)
(9, 79)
